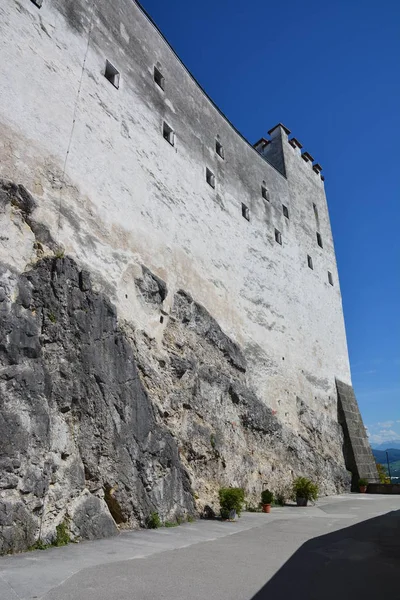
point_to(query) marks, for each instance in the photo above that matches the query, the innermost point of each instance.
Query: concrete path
(345, 547)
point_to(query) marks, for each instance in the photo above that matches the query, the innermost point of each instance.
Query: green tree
(383, 476)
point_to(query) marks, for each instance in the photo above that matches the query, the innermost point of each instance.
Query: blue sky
(329, 72)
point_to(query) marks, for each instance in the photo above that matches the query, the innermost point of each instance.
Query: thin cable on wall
(74, 117)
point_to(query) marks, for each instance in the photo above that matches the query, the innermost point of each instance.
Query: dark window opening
(265, 193)
(315, 210)
(112, 74)
(219, 149)
(168, 134)
(245, 212)
(310, 262)
(319, 240)
(37, 3)
(330, 278)
(159, 78)
(210, 177)
(285, 211)
(278, 237)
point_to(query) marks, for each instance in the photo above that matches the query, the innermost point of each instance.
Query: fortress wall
(157, 344)
(130, 198)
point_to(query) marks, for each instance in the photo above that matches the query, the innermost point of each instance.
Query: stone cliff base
(101, 425)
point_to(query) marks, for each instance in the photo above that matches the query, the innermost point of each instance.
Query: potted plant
(304, 490)
(267, 498)
(362, 485)
(231, 502)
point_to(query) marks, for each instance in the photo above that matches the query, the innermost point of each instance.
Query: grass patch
(153, 521)
(39, 545)
(62, 539)
(62, 535)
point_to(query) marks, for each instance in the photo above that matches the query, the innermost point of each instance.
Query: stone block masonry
(204, 312)
(357, 450)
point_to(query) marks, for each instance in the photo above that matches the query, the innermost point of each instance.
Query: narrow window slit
(278, 237)
(245, 212)
(319, 240)
(330, 278)
(285, 211)
(168, 134)
(112, 74)
(159, 78)
(264, 192)
(310, 262)
(219, 149)
(210, 177)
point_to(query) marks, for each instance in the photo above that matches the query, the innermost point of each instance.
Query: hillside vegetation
(394, 460)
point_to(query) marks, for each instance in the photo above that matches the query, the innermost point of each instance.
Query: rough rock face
(227, 434)
(79, 439)
(100, 424)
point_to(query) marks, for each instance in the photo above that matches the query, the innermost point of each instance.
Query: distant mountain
(392, 444)
(380, 455)
(394, 460)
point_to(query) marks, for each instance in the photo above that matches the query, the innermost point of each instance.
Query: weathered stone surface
(227, 327)
(227, 434)
(152, 288)
(91, 519)
(357, 450)
(86, 436)
(198, 319)
(19, 198)
(80, 441)
(76, 420)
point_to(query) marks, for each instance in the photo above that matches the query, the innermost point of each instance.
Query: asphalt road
(345, 547)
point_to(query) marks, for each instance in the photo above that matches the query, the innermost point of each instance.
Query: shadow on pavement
(361, 561)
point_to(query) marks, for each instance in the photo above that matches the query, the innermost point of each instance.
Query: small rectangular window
(111, 74)
(159, 78)
(330, 278)
(245, 212)
(210, 178)
(319, 240)
(278, 237)
(168, 134)
(265, 193)
(285, 211)
(219, 149)
(310, 262)
(37, 3)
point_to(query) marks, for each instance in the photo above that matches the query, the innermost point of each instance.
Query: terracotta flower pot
(363, 489)
(266, 508)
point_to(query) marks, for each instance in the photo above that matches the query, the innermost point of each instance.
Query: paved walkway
(344, 547)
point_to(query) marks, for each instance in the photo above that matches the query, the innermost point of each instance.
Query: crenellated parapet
(274, 149)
